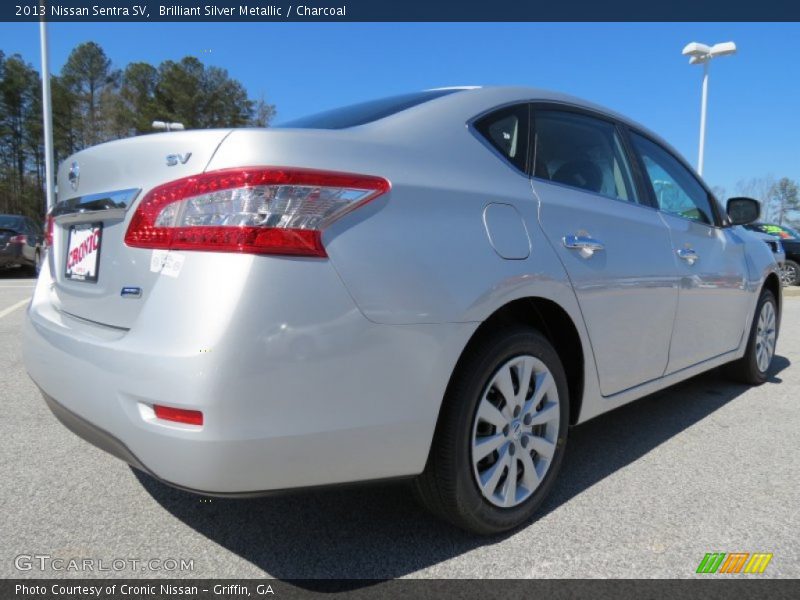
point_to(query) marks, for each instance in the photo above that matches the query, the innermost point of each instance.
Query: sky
(636, 69)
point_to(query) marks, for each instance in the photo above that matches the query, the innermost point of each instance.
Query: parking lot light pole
(701, 54)
(47, 115)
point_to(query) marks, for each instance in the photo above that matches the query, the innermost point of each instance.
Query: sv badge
(175, 159)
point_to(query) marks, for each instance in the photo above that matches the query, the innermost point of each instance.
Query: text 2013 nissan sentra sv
(434, 285)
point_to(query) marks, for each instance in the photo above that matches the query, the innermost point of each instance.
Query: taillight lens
(252, 210)
(19, 239)
(48, 232)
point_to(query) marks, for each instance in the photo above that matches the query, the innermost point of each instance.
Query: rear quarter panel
(420, 254)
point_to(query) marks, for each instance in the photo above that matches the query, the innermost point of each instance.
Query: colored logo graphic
(734, 562)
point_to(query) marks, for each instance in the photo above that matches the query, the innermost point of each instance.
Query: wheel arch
(552, 321)
(773, 283)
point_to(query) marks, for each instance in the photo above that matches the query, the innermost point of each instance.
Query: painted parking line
(7, 311)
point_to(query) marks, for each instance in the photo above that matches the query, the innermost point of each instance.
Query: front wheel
(790, 273)
(753, 367)
(501, 434)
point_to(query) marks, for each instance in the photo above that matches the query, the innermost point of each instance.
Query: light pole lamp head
(701, 53)
(168, 126)
(723, 49)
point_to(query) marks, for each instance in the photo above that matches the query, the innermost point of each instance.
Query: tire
(449, 484)
(790, 273)
(36, 267)
(751, 367)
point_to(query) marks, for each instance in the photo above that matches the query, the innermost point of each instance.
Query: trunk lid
(98, 190)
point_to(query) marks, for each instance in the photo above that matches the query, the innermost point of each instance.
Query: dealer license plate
(83, 252)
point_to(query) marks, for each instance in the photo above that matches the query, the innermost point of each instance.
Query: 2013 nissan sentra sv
(434, 285)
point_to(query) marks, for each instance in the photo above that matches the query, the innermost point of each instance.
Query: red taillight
(48, 232)
(253, 210)
(19, 239)
(179, 415)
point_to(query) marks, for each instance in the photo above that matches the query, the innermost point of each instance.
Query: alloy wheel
(765, 336)
(789, 275)
(515, 431)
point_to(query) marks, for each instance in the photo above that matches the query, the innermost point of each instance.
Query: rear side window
(582, 152)
(366, 112)
(506, 130)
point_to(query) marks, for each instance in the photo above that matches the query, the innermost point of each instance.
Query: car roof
(438, 115)
(471, 102)
(496, 95)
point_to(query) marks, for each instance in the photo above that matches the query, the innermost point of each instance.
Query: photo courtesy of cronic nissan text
(438, 299)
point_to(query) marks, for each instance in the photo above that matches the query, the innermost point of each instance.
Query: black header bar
(396, 10)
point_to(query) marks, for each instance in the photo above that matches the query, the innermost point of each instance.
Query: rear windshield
(365, 112)
(10, 222)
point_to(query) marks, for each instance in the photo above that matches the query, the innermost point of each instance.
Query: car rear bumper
(338, 399)
(93, 434)
(11, 254)
(105, 441)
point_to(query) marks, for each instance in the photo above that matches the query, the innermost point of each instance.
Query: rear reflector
(179, 415)
(252, 210)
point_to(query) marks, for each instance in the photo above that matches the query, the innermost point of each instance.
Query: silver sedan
(432, 286)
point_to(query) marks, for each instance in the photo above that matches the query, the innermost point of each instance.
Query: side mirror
(742, 211)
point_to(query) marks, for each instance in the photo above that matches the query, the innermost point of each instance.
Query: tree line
(94, 102)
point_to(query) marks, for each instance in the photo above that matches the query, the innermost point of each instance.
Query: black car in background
(790, 239)
(21, 243)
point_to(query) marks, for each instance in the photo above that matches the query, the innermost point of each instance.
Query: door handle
(688, 254)
(585, 244)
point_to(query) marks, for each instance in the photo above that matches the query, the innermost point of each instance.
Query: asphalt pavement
(645, 491)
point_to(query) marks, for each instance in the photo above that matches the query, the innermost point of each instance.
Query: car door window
(507, 131)
(582, 152)
(677, 191)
